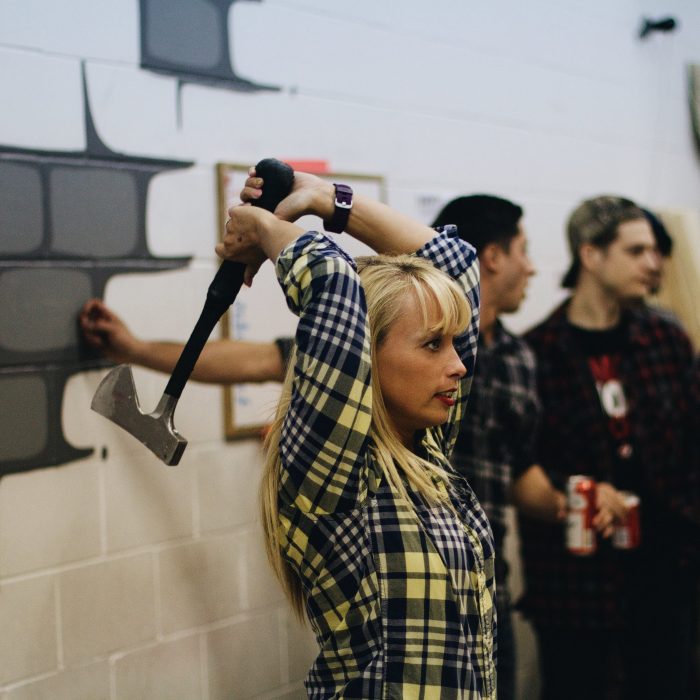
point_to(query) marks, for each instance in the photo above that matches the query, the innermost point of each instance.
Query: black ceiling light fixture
(665, 24)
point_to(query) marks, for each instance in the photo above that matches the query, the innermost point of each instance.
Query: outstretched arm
(534, 494)
(221, 361)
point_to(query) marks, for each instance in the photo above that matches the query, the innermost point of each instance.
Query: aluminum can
(581, 499)
(628, 535)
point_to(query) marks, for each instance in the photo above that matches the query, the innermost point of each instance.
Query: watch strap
(341, 211)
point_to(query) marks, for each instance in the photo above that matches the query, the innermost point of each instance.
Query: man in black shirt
(613, 382)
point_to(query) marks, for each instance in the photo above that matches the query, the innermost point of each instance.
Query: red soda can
(581, 499)
(628, 535)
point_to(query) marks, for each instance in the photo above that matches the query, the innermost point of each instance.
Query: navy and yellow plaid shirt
(400, 595)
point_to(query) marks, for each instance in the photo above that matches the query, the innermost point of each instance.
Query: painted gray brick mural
(190, 40)
(71, 220)
(68, 222)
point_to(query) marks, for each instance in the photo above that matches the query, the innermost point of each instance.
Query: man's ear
(589, 255)
(490, 257)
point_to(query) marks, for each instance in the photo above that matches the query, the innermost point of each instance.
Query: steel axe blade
(116, 399)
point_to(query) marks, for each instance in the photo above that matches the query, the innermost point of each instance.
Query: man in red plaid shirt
(613, 379)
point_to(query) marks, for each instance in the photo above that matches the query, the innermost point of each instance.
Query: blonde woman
(374, 538)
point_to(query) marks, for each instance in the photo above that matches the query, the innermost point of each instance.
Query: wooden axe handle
(224, 288)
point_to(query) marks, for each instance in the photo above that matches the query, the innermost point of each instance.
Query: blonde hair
(386, 281)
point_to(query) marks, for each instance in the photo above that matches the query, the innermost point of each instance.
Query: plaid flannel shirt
(590, 592)
(400, 595)
(693, 427)
(497, 437)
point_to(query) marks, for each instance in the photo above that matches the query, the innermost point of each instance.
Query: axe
(116, 396)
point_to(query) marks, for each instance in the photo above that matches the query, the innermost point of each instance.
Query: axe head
(116, 399)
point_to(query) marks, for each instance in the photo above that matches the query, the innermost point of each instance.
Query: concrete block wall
(121, 578)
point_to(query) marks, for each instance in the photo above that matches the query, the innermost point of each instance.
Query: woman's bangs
(441, 294)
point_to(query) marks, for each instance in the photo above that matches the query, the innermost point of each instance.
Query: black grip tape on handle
(278, 180)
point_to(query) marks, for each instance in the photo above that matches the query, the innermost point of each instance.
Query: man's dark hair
(482, 219)
(664, 242)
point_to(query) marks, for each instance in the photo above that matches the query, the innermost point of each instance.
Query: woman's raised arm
(373, 223)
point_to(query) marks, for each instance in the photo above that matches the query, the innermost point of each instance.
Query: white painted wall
(120, 578)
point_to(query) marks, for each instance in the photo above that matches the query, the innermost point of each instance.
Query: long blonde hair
(386, 281)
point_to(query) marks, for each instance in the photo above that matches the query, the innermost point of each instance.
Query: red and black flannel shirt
(568, 591)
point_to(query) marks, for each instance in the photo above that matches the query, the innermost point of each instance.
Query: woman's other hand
(252, 235)
(611, 508)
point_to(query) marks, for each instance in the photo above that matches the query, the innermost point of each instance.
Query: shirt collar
(501, 337)
(635, 322)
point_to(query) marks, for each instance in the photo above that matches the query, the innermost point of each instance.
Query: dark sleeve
(545, 445)
(284, 345)
(525, 454)
(692, 441)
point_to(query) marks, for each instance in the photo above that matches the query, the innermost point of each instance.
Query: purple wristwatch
(341, 213)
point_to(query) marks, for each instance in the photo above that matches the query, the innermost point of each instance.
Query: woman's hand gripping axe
(116, 396)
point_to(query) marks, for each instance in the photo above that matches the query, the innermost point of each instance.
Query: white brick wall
(123, 579)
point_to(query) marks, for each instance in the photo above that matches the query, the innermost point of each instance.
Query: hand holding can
(580, 530)
(628, 534)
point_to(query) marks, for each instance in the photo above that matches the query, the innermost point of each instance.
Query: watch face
(343, 195)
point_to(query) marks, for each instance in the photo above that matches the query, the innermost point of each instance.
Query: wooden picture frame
(694, 100)
(260, 313)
